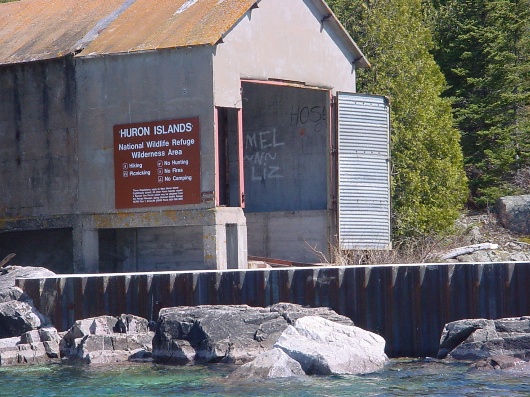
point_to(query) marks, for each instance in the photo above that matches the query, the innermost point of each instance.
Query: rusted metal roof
(149, 25)
(43, 29)
(36, 29)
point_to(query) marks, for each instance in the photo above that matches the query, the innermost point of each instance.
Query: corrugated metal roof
(149, 25)
(42, 29)
(36, 29)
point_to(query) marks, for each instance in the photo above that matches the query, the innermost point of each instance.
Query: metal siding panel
(364, 175)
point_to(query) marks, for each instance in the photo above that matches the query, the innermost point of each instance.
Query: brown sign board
(157, 163)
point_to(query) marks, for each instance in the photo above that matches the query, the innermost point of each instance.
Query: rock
(33, 347)
(18, 317)
(108, 339)
(269, 365)
(14, 294)
(8, 274)
(292, 312)
(232, 334)
(32, 353)
(9, 357)
(514, 213)
(495, 256)
(501, 362)
(478, 339)
(323, 347)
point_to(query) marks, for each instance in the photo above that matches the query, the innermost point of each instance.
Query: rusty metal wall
(407, 304)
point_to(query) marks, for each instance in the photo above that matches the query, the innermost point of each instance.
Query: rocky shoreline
(282, 340)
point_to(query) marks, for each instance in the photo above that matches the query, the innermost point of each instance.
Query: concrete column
(214, 238)
(242, 256)
(86, 249)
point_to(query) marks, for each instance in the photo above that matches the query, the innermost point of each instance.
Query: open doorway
(287, 162)
(229, 144)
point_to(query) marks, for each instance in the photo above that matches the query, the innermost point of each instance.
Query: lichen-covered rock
(323, 347)
(514, 213)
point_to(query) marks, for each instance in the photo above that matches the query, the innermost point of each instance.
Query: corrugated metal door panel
(364, 174)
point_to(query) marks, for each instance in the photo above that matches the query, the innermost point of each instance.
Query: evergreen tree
(428, 184)
(483, 49)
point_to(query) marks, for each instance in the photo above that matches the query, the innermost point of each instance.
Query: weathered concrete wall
(38, 139)
(407, 304)
(38, 163)
(141, 87)
(299, 236)
(289, 45)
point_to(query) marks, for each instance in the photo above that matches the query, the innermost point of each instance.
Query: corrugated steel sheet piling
(407, 304)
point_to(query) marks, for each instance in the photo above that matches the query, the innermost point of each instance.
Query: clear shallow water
(400, 378)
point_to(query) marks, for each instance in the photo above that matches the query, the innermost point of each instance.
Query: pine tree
(428, 184)
(483, 49)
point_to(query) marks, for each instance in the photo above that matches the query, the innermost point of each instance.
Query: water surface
(400, 378)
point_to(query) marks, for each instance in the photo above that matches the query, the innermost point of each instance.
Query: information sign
(157, 163)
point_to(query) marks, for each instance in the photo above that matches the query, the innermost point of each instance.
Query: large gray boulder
(478, 339)
(18, 317)
(323, 347)
(8, 274)
(107, 339)
(514, 213)
(272, 364)
(231, 334)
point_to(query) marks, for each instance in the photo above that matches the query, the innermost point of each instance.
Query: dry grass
(469, 229)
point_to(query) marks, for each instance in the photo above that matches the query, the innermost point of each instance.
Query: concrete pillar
(225, 243)
(86, 249)
(214, 238)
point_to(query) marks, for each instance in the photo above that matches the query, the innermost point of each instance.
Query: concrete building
(176, 135)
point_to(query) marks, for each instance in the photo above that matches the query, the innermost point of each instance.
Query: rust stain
(43, 29)
(148, 25)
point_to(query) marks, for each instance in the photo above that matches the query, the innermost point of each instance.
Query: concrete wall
(282, 39)
(298, 236)
(141, 87)
(407, 304)
(38, 139)
(38, 163)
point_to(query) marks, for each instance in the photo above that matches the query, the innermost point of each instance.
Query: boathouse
(185, 134)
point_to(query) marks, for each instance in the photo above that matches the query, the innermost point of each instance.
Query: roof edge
(360, 59)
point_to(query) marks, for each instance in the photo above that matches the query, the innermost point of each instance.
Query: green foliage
(428, 184)
(483, 48)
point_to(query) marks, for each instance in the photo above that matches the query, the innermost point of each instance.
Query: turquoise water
(400, 378)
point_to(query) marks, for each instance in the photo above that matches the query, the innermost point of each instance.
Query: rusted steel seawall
(406, 304)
